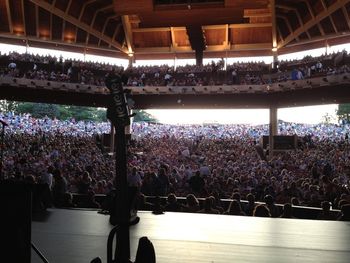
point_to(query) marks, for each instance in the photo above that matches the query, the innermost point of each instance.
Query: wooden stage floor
(79, 236)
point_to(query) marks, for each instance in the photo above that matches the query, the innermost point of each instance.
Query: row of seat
(168, 90)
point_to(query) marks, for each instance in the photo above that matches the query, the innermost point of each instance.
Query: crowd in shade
(215, 73)
(192, 161)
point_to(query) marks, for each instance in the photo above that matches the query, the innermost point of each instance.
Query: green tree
(7, 106)
(41, 110)
(142, 115)
(343, 112)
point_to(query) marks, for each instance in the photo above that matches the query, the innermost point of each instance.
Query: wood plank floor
(79, 236)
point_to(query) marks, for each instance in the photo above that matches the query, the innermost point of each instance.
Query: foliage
(62, 112)
(8, 106)
(142, 115)
(343, 112)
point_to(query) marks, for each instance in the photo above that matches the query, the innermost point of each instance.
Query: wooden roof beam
(116, 31)
(9, 17)
(173, 39)
(346, 15)
(294, 9)
(83, 8)
(37, 21)
(57, 42)
(288, 25)
(24, 19)
(89, 29)
(330, 16)
(274, 22)
(68, 6)
(105, 26)
(332, 8)
(128, 33)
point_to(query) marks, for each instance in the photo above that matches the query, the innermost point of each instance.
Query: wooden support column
(273, 129)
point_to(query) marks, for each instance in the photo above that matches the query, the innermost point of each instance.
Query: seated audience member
(287, 211)
(325, 214)
(249, 208)
(192, 204)
(345, 213)
(172, 204)
(274, 211)
(208, 207)
(157, 208)
(143, 204)
(261, 211)
(216, 203)
(235, 209)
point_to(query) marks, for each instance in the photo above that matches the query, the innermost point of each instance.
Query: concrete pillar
(273, 129)
(131, 60)
(274, 58)
(112, 138)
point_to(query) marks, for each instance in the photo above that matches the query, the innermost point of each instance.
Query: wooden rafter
(116, 31)
(346, 15)
(56, 42)
(314, 21)
(68, 6)
(280, 33)
(51, 26)
(37, 21)
(24, 19)
(89, 29)
(211, 48)
(320, 38)
(97, 12)
(105, 26)
(273, 19)
(128, 33)
(173, 40)
(330, 16)
(9, 16)
(162, 29)
(288, 24)
(63, 29)
(227, 38)
(300, 20)
(333, 24)
(83, 8)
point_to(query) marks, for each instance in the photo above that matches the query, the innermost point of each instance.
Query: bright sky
(314, 114)
(311, 114)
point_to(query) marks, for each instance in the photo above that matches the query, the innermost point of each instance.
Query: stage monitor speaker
(15, 222)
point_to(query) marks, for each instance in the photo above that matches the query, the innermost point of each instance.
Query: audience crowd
(207, 161)
(55, 69)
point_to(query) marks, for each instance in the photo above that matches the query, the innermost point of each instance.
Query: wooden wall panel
(215, 36)
(251, 35)
(152, 39)
(181, 38)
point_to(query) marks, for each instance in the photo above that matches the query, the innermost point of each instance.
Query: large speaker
(15, 222)
(281, 142)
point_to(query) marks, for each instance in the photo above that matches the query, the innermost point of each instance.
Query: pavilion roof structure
(161, 29)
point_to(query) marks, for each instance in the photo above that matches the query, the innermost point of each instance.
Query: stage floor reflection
(79, 236)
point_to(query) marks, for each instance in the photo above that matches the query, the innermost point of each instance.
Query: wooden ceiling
(154, 29)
